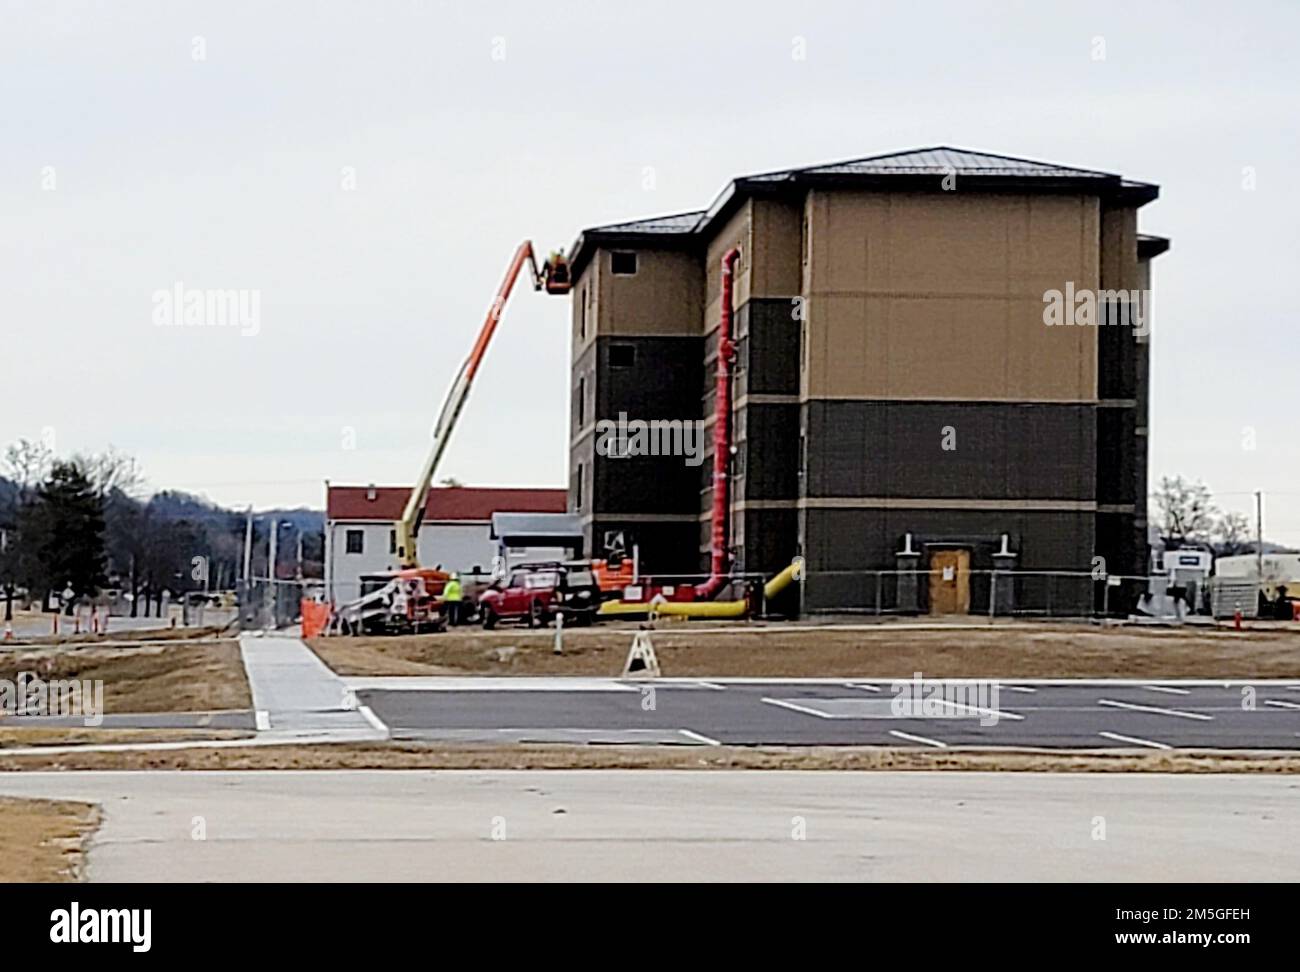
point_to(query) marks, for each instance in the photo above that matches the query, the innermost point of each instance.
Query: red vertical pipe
(720, 561)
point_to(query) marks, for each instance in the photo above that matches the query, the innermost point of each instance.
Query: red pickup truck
(536, 593)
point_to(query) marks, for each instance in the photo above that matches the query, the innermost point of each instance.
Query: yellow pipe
(705, 609)
(624, 607)
(702, 609)
(782, 580)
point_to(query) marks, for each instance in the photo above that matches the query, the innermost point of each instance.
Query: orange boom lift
(553, 277)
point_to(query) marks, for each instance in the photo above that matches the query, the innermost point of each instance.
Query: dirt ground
(67, 637)
(435, 757)
(1012, 650)
(13, 735)
(176, 677)
(44, 840)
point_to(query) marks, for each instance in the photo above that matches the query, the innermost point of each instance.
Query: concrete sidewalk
(295, 693)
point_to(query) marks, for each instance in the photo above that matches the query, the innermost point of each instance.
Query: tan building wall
(1119, 262)
(769, 234)
(662, 298)
(585, 297)
(918, 296)
(777, 241)
(738, 231)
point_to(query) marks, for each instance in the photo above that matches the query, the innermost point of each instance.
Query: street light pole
(1259, 535)
(248, 547)
(245, 598)
(270, 566)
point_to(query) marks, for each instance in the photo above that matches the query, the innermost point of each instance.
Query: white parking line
(1134, 740)
(1158, 711)
(263, 720)
(699, 737)
(969, 709)
(1167, 688)
(1282, 704)
(1019, 688)
(373, 719)
(864, 687)
(712, 685)
(918, 739)
(797, 708)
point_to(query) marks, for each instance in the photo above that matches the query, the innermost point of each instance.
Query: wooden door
(950, 582)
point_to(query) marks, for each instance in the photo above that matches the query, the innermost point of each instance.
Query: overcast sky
(369, 167)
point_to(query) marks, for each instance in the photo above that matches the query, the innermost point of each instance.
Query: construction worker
(451, 596)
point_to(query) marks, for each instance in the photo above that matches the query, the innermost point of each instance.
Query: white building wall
(458, 545)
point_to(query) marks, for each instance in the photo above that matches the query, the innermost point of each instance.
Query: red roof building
(360, 538)
(445, 503)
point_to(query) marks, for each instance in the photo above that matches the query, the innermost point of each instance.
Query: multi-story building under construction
(907, 391)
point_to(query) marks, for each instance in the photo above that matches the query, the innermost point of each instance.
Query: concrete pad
(645, 825)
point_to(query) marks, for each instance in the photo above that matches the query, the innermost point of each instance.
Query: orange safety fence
(315, 616)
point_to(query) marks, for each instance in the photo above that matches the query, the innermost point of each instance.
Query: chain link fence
(265, 604)
(990, 593)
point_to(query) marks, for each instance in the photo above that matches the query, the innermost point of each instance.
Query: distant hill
(176, 505)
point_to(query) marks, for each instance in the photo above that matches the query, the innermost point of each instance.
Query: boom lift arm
(553, 276)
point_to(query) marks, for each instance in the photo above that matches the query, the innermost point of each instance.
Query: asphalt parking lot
(1050, 714)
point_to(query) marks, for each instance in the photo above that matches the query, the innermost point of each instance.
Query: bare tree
(111, 472)
(1232, 534)
(28, 463)
(1187, 510)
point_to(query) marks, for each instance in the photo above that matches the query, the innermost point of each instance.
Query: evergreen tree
(66, 524)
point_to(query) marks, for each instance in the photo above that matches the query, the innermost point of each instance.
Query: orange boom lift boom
(553, 277)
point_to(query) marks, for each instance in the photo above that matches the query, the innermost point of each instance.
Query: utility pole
(8, 581)
(248, 547)
(246, 588)
(270, 566)
(1259, 535)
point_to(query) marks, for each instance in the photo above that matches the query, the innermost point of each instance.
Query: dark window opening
(622, 355)
(356, 541)
(622, 264)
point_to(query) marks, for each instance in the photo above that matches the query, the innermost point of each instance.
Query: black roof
(1151, 246)
(916, 170)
